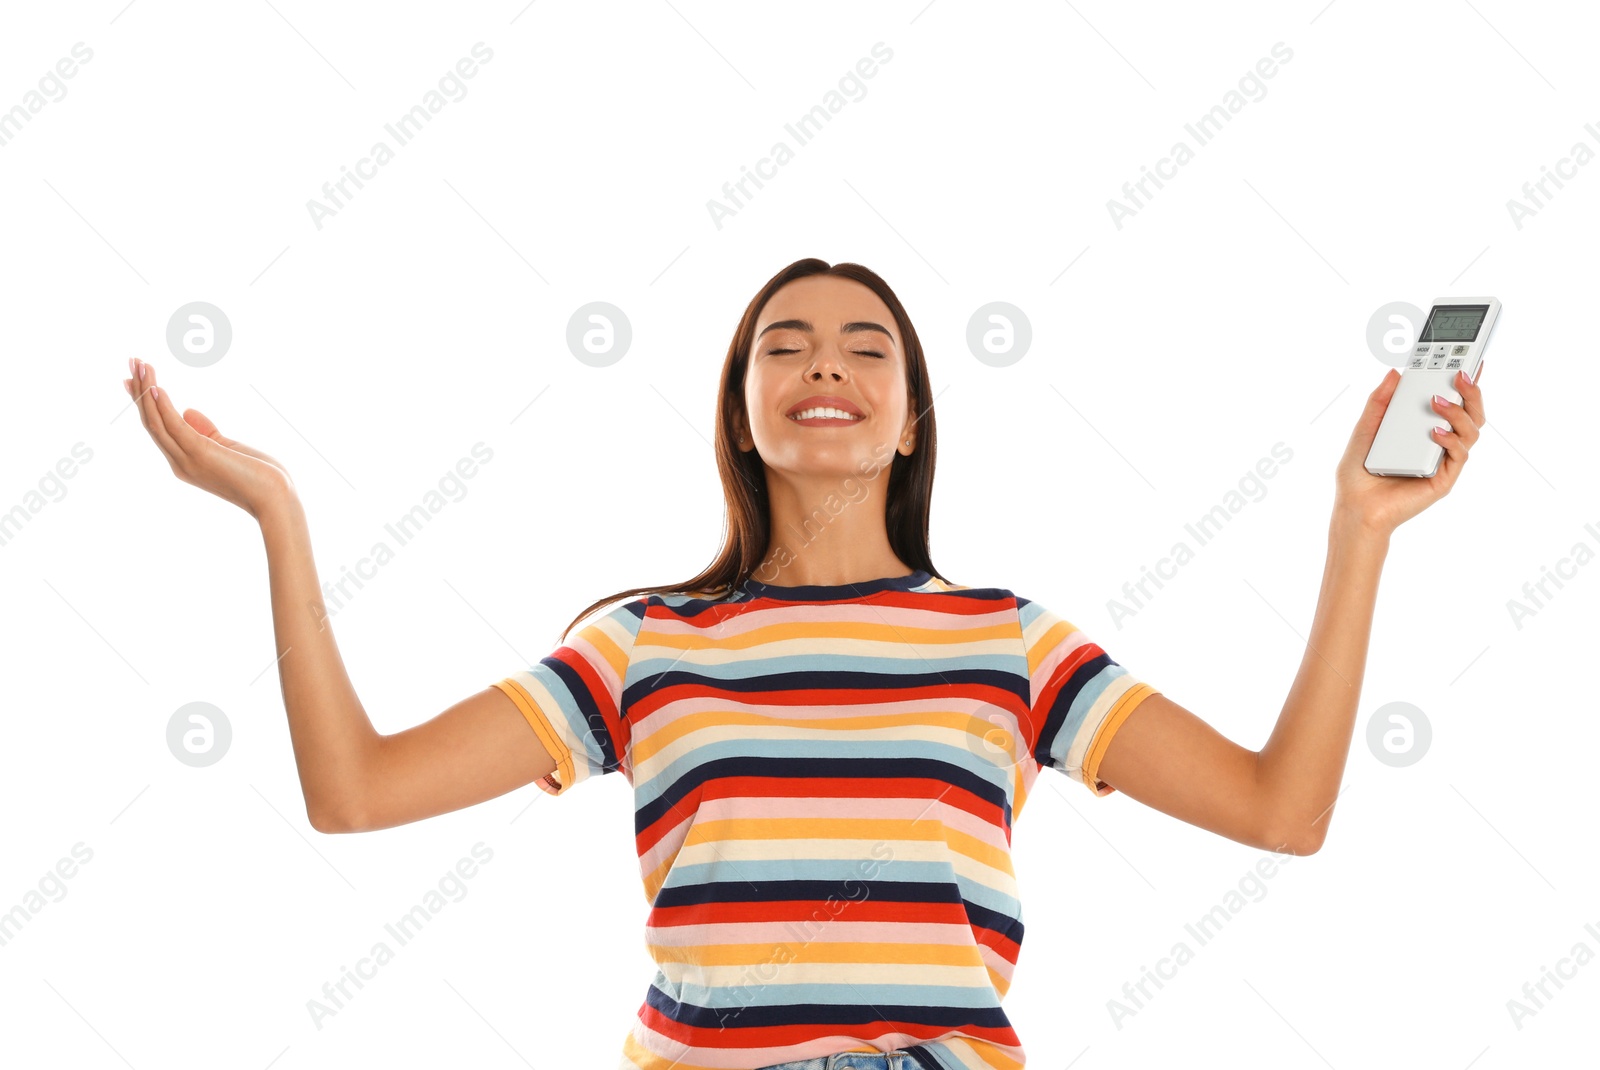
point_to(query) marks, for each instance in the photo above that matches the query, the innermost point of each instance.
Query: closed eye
(858, 352)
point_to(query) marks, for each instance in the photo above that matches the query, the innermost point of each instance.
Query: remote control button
(1438, 351)
(1458, 351)
(1417, 362)
(1453, 363)
(1423, 348)
(1435, 362)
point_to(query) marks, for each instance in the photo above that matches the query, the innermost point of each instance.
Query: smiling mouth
(825, 416)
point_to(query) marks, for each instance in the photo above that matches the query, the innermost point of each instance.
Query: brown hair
(744, 479)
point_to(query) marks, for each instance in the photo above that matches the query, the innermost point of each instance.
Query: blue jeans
(852, 1060)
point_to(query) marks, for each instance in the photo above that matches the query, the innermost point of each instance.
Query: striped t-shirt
(825, 780)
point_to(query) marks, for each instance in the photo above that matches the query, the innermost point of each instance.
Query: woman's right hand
(202, 455)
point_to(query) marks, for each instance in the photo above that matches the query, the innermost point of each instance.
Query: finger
(151, 418)
(1372, 414)
(1461, 421)
(1385, 389)
(1456, 452)
(205, 426)
(202, 423)
(1472, 395)
(180, 441)
(180, 433)
(1378, 400)
(191, 444)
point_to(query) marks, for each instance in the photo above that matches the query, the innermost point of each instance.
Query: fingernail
(155, 392)
(141, 369)
(1437, 400)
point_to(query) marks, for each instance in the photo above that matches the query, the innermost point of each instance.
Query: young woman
(827, 741)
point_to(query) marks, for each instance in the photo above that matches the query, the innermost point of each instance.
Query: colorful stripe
(825, 780)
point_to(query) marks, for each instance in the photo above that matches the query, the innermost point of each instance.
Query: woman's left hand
(1382, 503)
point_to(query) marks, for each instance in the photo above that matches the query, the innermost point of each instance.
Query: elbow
(329, 821)
(338, 806)
(1306, 845)
(1297, 838)
(1289, 828)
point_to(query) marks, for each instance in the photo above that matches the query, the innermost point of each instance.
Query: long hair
(744, 478)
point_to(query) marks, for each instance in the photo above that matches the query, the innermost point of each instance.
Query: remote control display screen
(1454, 323)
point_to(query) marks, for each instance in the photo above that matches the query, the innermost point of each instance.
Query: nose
(825, 363)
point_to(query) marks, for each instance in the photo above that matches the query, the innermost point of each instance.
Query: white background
(1228, 315)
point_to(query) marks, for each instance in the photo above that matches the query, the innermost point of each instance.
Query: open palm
(202, 455)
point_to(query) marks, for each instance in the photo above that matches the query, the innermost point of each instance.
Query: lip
(817, 401)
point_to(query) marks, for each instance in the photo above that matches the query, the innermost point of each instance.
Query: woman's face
(834, 338)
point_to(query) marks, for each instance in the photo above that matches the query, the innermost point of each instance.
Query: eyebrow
(847, 328)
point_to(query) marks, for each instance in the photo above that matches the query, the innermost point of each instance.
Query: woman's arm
(1281, 798)
(1302, 763)
(330, 731)
(352, 778)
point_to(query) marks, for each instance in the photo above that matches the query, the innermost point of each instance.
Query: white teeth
(837, 414)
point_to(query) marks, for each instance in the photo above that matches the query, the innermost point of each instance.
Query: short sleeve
(1078, 696)
(573, 699)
